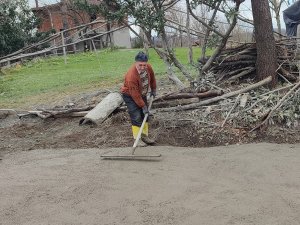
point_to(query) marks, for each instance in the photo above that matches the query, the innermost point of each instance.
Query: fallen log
(218, 98)
(287, 75)
(44, 114)
(7, 112)
(100, 113)
(164, 96)
(38, 113)
(74, 114)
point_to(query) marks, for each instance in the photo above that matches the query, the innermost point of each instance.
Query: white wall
(122, 38)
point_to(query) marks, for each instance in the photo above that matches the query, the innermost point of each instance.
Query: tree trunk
(188, 32)
(222, 43)
(266, 61)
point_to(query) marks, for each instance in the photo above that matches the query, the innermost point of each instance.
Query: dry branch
(44, 114)
(175, 102)
(211, 93)
(287, 74)
(278, 105)
(241, 74)
(222, 97)
(235, 104)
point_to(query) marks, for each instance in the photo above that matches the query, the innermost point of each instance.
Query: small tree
(149, 15)
(16, 25)
(275, 5)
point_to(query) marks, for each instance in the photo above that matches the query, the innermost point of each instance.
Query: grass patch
(33, 81)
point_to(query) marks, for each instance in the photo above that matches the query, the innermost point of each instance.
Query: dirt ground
(29, 133)
(184, 129)
(240, 184)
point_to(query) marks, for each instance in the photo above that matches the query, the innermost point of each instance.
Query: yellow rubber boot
(135, 131)
(145, 137)
(146, 129)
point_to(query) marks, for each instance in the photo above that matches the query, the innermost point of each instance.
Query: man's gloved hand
(145, 110)
(153, 93)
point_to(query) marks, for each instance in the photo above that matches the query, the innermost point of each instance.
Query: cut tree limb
(44, 114)
(211, 93)
(7, 112)
(287, 74)
(175, 102)
(244, 73)
(218, 98)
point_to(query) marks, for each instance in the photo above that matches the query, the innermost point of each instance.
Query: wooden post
(74, 48)
(91, 45)
(101, 43)
(64, 48)
(55, 50)
(94, 45)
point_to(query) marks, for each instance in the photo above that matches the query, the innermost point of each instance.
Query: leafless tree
(209, 26)
(275, 5)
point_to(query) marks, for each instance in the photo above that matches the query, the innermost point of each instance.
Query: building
(63, 16)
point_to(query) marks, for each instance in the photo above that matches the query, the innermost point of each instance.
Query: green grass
(48, 78)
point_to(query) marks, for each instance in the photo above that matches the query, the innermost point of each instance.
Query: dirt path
(250, 184)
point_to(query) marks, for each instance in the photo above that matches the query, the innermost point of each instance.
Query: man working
(139, 79)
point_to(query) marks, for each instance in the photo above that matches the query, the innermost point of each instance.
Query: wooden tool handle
(142, 127)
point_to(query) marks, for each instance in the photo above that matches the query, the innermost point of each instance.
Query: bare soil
(168, 129)
(34, 133)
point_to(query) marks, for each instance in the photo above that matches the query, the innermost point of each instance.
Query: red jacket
(133, 85)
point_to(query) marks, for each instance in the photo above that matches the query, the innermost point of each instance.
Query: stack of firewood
(238, 62)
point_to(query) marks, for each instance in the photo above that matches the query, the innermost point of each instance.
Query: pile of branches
(247, 111)
(239, 62)
(249, 107)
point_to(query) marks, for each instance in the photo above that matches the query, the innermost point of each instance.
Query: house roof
(42, 8)
(59, 4)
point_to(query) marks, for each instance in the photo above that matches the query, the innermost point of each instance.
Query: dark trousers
(135, 112)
